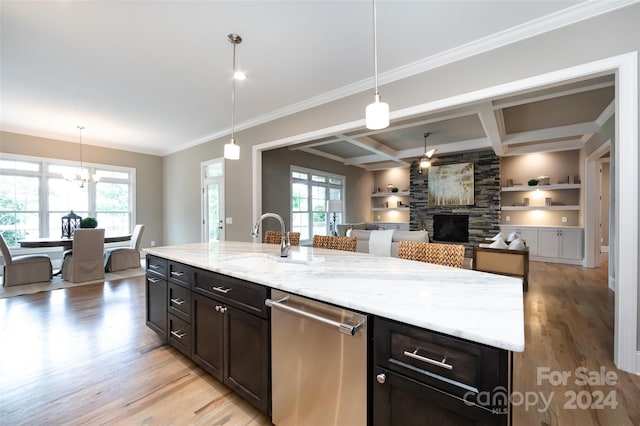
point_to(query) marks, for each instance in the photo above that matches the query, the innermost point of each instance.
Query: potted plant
(88, 222)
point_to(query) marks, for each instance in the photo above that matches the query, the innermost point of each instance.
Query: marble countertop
(477, 306)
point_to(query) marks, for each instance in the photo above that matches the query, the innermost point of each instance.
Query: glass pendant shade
(425, 163)
(377, 115)
(232, 151)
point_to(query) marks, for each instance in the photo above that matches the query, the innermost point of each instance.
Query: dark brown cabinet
(422, 377)
(220, 322)
(208, 332)
(156, 295)
(231, 335)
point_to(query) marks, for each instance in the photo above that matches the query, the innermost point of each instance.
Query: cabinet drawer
(241, 294)
(398, 400)
(157, 266)
(180, 335)
(454, 365)
(180, 301)
(180, 274)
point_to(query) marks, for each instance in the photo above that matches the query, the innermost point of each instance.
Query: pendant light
(232, 150)
(425, 161)
(377, 113)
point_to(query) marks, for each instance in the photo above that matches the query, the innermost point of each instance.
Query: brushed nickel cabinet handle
(221, 289)
(177, 274)
(178, 301)
(441, 364)
(152, 266)
(381, 378)
(153, 280)
(179, 334)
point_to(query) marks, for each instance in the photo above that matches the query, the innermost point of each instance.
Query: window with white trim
(311, 191)
(34, 195)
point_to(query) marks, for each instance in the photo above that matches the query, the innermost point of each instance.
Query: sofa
(342, 229)
(362, 235)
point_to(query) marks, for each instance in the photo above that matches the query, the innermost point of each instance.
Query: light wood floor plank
(84, 356)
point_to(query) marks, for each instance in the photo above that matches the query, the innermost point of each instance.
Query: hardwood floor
(85, 356)
(569, 328)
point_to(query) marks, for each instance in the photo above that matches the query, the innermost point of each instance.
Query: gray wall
(148, 172)
(276, 188)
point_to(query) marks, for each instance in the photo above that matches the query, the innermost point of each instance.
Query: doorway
(212, 177)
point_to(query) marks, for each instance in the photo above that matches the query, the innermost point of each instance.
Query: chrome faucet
(285, 244)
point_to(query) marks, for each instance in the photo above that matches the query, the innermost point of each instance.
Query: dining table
(64, 241)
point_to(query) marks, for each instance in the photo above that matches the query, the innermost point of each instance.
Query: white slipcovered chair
(26, 269)
(119, 258)
(85, 261)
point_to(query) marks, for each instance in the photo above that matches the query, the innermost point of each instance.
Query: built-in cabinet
(423, 377)
(549, 243)
(156, 295)
(223, 325)
(220, 322)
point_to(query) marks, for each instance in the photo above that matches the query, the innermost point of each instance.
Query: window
(311, 191)
(34, 195)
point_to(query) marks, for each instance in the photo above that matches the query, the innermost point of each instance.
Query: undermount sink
(269, 263)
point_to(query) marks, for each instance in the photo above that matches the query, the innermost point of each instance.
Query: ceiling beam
(491, 126)
(545, 147)
(315, 143)
(551, 94)
(447, 148)
(551, 133)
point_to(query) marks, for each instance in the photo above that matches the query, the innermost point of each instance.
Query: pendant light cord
(233, 94)
(375, 44)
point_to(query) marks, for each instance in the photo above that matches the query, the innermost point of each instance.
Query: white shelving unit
(399, 194)
(556, 187)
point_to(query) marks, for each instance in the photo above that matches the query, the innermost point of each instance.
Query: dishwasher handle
(341, 326)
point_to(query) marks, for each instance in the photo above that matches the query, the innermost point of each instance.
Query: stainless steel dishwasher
(319, 363)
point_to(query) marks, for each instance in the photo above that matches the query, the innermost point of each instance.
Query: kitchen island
(475, 318)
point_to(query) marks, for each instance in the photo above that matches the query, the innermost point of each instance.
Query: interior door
(213, 200)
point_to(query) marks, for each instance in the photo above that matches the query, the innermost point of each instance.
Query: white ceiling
(154, 76)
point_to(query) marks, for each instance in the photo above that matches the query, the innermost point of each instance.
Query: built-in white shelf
(390, 194)
(527, 208)
(387, 209)
(559, 186)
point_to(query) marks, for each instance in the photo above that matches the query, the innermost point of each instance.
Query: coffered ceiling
(559, 118)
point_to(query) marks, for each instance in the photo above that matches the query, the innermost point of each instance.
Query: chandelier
(81, 176)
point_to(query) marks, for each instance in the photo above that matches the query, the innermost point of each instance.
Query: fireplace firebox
(452, 228)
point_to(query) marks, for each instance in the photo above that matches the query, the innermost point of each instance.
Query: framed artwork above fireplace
(451, 185)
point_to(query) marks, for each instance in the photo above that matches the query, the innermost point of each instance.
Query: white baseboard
(604, 249)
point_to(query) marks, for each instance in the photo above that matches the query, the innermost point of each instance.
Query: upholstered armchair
(120, 258)
(26, 269)
(85, 261)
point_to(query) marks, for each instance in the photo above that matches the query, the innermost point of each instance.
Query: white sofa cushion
(362, 243)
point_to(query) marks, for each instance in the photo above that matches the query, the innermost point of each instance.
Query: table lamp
(334, 206)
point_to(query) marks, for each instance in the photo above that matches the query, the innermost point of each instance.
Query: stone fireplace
(483, 216)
